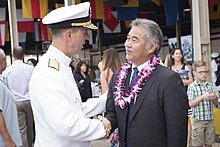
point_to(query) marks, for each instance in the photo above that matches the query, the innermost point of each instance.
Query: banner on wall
(186, 45)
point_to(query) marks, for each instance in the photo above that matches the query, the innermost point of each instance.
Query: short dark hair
(33, 61)
(18, 52)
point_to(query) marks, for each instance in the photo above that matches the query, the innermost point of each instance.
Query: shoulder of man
(54, 63)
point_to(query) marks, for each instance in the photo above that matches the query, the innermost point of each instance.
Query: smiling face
(177, 55)
(136, 46)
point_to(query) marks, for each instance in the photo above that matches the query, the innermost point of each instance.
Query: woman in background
(167, 61)
(83, 80)
(177, 64)
(110, 63)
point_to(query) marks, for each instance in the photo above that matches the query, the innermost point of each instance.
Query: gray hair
(2, 54)
(153, 32)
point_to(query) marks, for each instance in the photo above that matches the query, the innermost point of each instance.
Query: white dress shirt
(17, 77)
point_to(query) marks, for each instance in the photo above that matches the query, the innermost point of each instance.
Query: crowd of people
(141, 104)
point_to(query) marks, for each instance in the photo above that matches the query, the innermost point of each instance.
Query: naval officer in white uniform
(61, 119)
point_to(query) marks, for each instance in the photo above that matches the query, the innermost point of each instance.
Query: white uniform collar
(56, 53)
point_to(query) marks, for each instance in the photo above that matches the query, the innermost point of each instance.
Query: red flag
(41, 32)
(212, 3)
(34, 8)
(158, 2)
(2, 26)
(112, 25)
(24, 24)
(100, 10)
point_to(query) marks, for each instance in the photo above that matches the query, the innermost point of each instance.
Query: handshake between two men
(106, 123)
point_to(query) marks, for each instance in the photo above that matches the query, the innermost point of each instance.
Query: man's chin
(128, 58)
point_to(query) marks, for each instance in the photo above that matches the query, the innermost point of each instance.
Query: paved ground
(105, 143)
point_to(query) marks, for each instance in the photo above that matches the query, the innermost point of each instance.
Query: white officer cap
(70, 16)
(214, 54)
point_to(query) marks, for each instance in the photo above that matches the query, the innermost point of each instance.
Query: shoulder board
(53, 63)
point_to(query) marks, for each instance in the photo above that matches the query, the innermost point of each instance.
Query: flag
(214, 11)
(148, 15)
(2, 33)
(22, 37)
(131, 3)
(100, 10)
(42, 32)
(212, 3)
(34, 8)
(159, 2)
(127, 24)
(7, 36)
(144, 1)
(112, 25)
(2, 26)
(129, 11)
(59, 3)
(173, 11)
(24, 24)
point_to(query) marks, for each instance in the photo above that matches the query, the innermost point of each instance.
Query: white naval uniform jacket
(61, 119)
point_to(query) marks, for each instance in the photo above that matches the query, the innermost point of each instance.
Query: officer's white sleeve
(94, 106)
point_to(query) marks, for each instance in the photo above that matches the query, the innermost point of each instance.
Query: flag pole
(13, 24)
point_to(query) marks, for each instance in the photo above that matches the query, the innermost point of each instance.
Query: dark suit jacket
(159, 117)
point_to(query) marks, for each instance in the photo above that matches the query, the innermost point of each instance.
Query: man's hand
(106, 123)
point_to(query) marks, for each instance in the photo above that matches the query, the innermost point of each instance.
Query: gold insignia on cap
(87, 24)
(53, 63)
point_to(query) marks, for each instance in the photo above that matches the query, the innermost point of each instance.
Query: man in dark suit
(150, 111)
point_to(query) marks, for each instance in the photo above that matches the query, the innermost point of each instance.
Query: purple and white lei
(123, 98)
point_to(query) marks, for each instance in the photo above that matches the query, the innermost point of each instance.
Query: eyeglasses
(203, 72)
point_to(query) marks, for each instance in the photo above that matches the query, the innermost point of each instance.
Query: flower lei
(121, 97)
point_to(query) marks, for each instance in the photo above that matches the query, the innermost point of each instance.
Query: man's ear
(68, 34)
(153, 48)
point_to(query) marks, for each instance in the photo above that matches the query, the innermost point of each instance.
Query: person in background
(167, 61)
(83, 80)
(97, 74)
(17, 77)
(92, 74)
(32, 62)
(201, 95)
(110, 63)
(178, 65)
(214, 66)
(61, 118)
(147, 101)
(9, 130)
